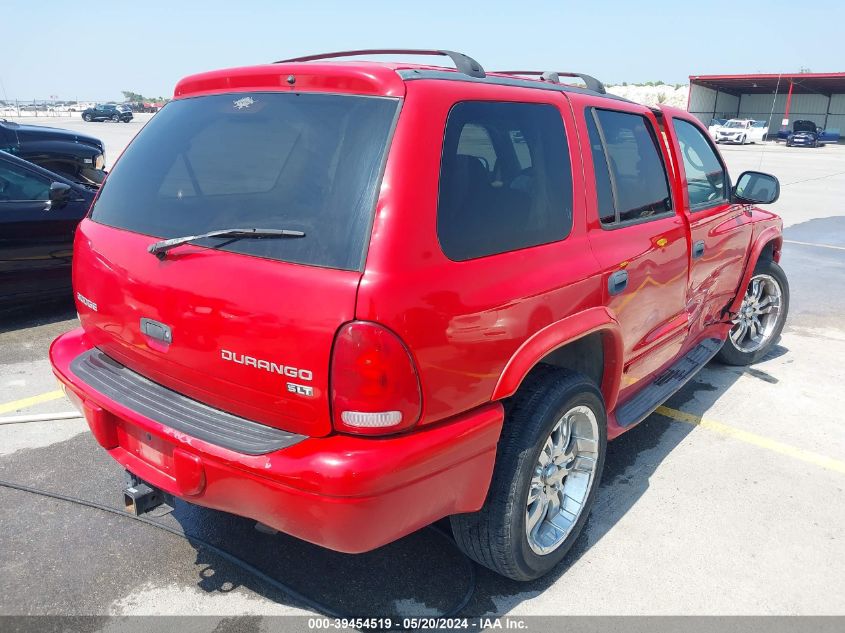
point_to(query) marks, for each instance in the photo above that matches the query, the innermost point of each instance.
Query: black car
(108, 112)
(76, 156)
(804, 134)
(39, 211)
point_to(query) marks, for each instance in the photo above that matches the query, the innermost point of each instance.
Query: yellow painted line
(756, 440)
(836, 248)
(31, 401)
(680, 416)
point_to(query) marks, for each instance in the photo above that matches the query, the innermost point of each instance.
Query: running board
(646, 401)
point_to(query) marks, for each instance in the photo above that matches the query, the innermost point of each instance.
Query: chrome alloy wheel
(562, 479)
(758, 315)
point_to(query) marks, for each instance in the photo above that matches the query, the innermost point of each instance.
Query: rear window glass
(604, 188)
(638, 176)
(304, 162)
(505, 179)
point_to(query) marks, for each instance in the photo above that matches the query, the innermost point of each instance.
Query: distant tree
(804, 70)
(661, 97)
(130, 96)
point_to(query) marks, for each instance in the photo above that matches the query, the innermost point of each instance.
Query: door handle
(617, 282)
(698, 249)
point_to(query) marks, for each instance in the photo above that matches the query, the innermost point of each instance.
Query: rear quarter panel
(463, 321)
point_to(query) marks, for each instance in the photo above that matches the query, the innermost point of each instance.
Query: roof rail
(553, 76)
(463, 63)
(543, 75)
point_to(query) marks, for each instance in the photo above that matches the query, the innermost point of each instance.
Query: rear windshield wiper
(159, 249)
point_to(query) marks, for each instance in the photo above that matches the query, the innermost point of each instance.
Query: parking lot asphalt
(729, 500)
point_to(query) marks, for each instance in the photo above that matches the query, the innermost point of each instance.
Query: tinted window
(637, 173)
(307, 162)
(505, 179)
(705, 173)
(604, 188)
(19, 185)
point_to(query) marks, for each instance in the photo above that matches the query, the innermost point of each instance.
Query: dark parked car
(76, 156)
(39, 211)
(108, 112)
(804, 134)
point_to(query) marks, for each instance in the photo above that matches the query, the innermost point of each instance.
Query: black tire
(115, 118)
(730, 354)
(495, 536)
(86, 117)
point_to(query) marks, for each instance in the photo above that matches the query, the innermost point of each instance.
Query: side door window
(7, 140)
(505, 179)
(630, 174)
(19, 185)
(706, 176)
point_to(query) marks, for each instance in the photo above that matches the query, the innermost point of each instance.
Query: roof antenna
(768, 129)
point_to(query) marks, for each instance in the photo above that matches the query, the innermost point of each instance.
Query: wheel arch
(567, 343)
(768, 245)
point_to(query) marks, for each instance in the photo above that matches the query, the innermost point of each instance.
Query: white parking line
(836, 248)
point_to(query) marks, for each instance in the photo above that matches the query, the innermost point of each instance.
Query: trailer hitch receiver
(139, 497)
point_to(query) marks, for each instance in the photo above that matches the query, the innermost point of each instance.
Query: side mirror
(59, 195)
(755, 187)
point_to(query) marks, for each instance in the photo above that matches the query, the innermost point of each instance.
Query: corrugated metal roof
(818, 83)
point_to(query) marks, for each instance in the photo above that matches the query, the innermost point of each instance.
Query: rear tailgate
(243, 324)
(248, 335)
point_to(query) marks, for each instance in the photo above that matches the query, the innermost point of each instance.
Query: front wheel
(86, 117)
(760, 319)
(548, 467)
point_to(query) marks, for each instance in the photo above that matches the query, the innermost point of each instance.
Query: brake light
(375, 386)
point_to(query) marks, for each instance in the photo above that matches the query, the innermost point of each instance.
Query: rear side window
(604, 188)
(305, 162)
(706, 175)
(630, 164)
(505, 179)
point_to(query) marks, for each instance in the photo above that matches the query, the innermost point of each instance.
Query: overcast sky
(93, 50)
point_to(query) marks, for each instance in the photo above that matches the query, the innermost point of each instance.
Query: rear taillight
(375, 386)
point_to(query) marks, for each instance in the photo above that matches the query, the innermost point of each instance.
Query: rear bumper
(350, 494)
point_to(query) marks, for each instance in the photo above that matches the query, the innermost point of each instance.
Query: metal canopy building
(816, 97)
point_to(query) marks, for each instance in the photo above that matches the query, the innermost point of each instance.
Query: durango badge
(274, 368)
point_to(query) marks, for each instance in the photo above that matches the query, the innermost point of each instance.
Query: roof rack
(553, 76)
(463, 63)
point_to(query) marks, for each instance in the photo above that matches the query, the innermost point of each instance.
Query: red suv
(349, 299)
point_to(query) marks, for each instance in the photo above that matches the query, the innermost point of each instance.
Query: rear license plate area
(147, 447)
